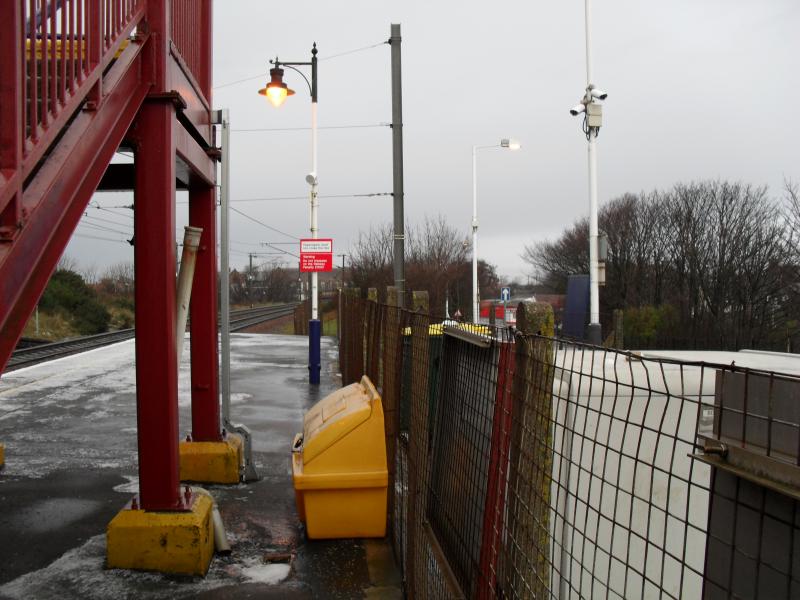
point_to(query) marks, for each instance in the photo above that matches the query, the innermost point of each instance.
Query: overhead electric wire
(257, 129)
(280, 198)
(264, 75)
(346, 52)
(282, 250)
(245, 215)
(95, 237)
(103, 228)
(86, 215)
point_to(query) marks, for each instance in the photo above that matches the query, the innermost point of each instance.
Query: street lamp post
(504, 143)
(277, 91)
(593, 120)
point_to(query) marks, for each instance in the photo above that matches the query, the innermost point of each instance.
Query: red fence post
(156, 373)
(205, 66)
(491, 536)
(203, 326)
(95, 35)
(12, 120)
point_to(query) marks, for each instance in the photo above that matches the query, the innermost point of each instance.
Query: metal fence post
(418, 444)
(531, 460)
(392, 356)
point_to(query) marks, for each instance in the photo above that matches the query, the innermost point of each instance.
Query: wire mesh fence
(523, 466)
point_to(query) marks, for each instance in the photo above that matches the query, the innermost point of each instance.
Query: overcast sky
(696, 90)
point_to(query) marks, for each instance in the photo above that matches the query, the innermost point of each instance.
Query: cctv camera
(580, 108)
(311, 179)
(599, 94)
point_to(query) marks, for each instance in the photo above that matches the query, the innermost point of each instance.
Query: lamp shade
(276, 90)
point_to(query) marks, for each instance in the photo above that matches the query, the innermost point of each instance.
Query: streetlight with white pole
(592, 121)
(508, 144)
(277, 91)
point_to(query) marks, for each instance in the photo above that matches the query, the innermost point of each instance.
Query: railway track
(25, 357)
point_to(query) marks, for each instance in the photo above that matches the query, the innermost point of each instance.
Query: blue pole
(314, 335)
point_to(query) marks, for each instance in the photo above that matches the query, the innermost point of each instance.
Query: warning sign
(316, 255)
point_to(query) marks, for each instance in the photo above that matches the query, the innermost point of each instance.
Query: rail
(24, 357)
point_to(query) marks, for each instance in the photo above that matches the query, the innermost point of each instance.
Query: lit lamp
(276, 92)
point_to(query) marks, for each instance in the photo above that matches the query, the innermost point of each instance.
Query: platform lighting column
(476, 296)
(593, 115)
(277, 91)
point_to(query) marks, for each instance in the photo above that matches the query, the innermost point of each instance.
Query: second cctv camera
(599, 94)
(580, 108)
(311, 179)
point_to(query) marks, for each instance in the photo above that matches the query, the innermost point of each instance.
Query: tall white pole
(314, 205)
(588, 16)
(224, 267)
(594, 290)
(475, 292)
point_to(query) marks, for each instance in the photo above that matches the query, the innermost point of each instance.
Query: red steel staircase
(70, 86)
(73, 76)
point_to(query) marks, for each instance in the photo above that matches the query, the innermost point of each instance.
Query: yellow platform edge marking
(211, 462)
(2, 455)
(168, 542)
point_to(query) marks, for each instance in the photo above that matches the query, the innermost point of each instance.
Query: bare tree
(713, 253)
(118, 279)
(67, 263)
(437, 260)
(90, 274)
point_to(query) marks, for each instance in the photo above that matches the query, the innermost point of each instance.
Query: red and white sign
(316, 255)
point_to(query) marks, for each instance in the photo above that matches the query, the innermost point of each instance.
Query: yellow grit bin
(339, 465)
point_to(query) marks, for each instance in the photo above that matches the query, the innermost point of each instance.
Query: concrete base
(169, 542)
(212, 462)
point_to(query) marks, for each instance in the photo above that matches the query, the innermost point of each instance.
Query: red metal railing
(53, 56)
(68, 43)
(191, 30)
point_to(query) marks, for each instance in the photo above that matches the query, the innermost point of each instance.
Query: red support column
(203, 312)
(156, 371)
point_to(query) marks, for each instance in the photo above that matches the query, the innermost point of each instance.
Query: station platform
(69, 428)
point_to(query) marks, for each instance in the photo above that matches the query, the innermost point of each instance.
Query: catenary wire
(322, 58)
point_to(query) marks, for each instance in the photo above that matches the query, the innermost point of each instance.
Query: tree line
(709, 264)
(438, 259)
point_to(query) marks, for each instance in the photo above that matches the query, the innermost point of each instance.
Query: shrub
(68, 294)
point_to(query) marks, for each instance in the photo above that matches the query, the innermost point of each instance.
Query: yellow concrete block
(212, 462)
(169, 542)
(2, 455)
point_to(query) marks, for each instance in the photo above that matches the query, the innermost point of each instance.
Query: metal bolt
(719, 449)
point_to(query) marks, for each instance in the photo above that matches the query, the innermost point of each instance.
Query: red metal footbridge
(79, 79)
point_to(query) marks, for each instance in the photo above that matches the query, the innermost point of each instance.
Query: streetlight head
(276, 90)
(511, 144)
(575, 111)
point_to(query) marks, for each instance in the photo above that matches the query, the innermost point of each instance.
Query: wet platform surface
(69, 427)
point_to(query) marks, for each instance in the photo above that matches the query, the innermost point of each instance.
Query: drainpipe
(191, 241)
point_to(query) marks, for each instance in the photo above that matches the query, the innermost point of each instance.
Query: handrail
(66, 46)
(191, 28)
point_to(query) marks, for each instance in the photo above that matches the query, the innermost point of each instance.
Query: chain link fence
(523, 466)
